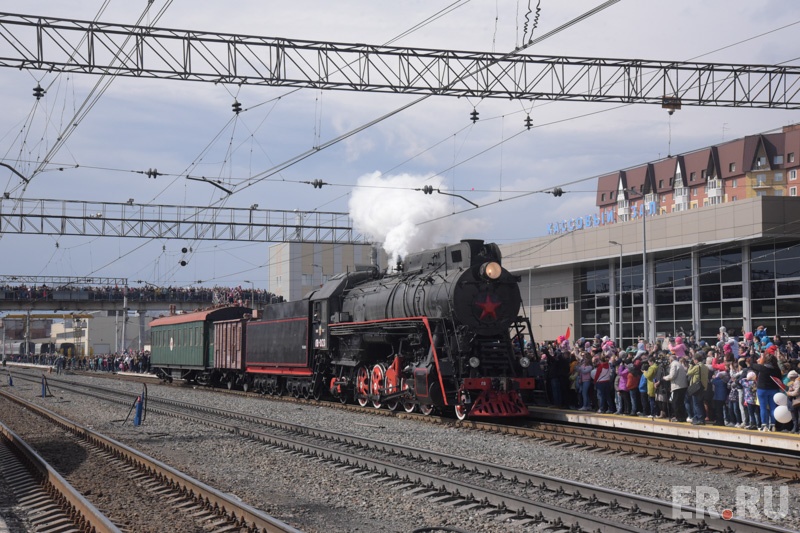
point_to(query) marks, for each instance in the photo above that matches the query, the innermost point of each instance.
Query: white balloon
(780, 398)
(782, 414)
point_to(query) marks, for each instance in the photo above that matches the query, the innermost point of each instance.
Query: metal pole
(619, 295)
(644, 270)
(124, 316)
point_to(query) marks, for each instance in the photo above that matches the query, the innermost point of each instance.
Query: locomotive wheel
(362, 386)
(409, 407)
(230, 384)
(376, 384)
(426, 409)
(390, 387)
(245, 386)
(343, 397)
(461, 411)
(317, 393)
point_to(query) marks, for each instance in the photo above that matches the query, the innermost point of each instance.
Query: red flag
(779, 383)
(566, 335)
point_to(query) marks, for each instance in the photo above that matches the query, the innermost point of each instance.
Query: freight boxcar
(183, 345)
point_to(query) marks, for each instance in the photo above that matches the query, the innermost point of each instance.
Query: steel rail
(85, 516)
(244, 514)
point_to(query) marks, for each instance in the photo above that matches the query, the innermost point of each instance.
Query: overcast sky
(185, 127)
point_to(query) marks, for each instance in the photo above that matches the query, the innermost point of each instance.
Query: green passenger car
(182, 346)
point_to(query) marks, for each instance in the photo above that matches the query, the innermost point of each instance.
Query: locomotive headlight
(524, 362)
(491, 270)
(474, 362)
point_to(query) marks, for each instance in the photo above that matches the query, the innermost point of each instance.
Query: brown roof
(731, 152)
(606, 185)
(636, 178)
(664, 173)
(220, 313)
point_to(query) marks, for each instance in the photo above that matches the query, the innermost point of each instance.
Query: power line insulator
(427, 189)
(38, 92)
(152, 173)
(528, 122)
(317, 184)
(558, 191)
(474, 115)
(184, 250)
(183, 263)
(237, 107)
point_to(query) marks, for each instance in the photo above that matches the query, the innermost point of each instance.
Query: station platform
(722, 434)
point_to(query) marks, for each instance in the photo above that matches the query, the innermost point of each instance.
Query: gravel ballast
(316, 497)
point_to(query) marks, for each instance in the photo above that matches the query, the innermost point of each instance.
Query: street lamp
(619, 295)
(321, 273)
(252, 291)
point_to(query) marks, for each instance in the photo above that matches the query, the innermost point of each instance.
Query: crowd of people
(128, 361)
(148, 293)
(743, 383)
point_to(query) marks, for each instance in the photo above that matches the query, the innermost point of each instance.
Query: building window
(702, 174)
(761, 180)
(611, 195)
(778, 159)
(778, 176)
(733, 183)
(733, 199)
(660, 183)
(732, 167)
(603, 197)
(556, 304)
(761, 193)
(792, 175)
(694, 191)
(778, 192)
(761, 162)
(692, 176)
(664, 199)
(790, 157)
(792, 191)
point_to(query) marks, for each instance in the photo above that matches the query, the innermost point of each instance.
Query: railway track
(44, 500)
(117, 476)
(524, 497)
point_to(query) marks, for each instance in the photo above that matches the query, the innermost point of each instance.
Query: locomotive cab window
(455, 256)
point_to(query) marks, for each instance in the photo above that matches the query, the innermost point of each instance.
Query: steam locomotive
(438, 333)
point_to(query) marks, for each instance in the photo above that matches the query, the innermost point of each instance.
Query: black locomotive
(436, 333)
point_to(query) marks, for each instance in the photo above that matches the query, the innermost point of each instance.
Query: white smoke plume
(389, 210)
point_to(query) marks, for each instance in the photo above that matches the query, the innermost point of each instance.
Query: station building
(687, 244)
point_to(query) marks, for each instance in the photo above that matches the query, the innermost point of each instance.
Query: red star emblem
(488, 308)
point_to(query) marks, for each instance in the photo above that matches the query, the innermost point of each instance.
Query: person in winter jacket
(749, 388)
(584, 382)
(698, 373)
(649, 373)
(678, 386)
(624, 407)
(766, 387)
(678, 347)
(720, 385)
(793, 392)
(601, 376)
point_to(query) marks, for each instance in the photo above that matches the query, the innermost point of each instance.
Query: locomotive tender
(437, 333)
